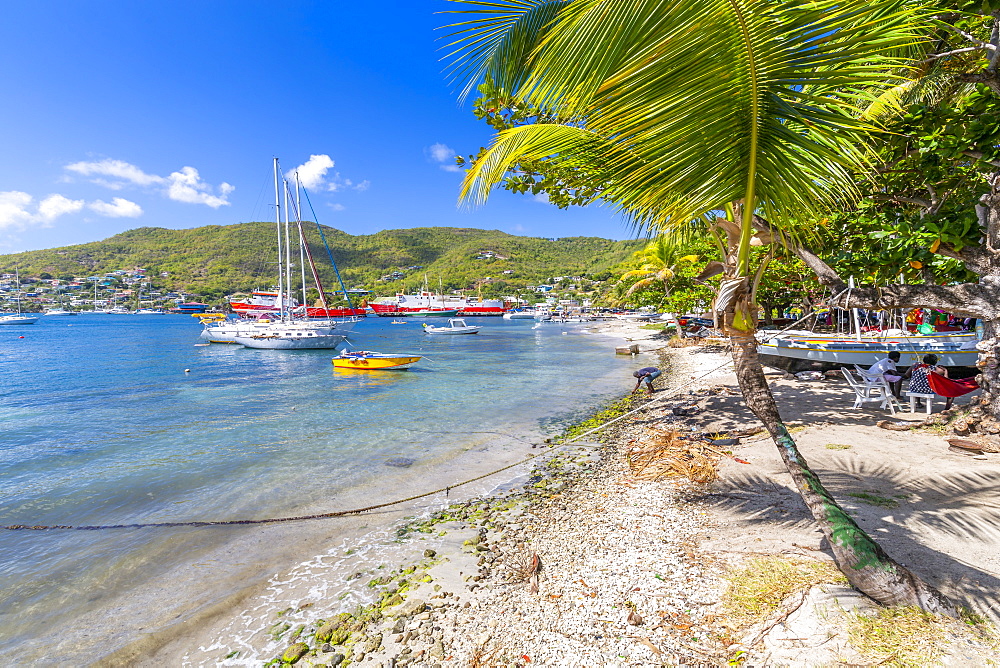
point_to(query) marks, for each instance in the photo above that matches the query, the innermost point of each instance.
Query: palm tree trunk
(867, 567)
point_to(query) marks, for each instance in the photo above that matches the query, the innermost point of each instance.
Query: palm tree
(693, 106)
(659, 264)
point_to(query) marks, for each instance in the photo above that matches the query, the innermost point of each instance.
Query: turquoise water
(101, 424)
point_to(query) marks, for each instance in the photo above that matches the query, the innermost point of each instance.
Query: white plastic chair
(869, 392)
(928, 398)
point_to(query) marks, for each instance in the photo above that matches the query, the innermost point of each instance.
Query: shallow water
(100, 424)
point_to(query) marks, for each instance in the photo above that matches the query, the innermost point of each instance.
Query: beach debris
(684, 411)
(661, 453)
(524, 567)
(809, 375)
(965, 446)
(400, 462)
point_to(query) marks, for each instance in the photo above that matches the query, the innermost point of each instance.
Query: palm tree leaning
(693, 106)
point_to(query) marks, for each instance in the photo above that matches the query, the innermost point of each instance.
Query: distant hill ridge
(221, 259)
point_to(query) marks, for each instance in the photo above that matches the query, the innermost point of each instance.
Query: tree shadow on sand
(944, 527)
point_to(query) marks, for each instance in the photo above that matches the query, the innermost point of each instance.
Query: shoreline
(190, 656)
(581, 563)
(628, 571)
(482, 452)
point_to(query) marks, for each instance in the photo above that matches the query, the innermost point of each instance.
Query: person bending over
(646, 375)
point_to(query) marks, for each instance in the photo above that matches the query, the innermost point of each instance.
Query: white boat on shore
(455, 326)
(796, 352)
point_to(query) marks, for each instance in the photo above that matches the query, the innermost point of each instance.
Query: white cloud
(187, 186)
(54, 206)
(18, 211)
(315, 174)
(14, 209)
(118, 169)
(441, 152)
(184, 185)
(444, 156)
(337, 207)
(312, 173)
(117, 208)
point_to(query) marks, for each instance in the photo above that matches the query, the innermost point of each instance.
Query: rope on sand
(353, 511)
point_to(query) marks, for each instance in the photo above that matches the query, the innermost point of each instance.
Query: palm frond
(694, 103)
(498, 43)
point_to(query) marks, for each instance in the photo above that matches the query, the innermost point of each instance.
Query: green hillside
(217, 260)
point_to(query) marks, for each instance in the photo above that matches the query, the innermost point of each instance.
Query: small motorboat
(455, 326)
(519, 314)
(398, 322)
(372, 361)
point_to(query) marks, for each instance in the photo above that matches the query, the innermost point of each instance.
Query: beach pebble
(294, 652)
(413, 606)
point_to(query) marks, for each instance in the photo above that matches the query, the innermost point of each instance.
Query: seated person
(887, 369)
(918, 377)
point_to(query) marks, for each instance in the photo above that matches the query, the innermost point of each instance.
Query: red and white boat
(426, 304)
(262, 302)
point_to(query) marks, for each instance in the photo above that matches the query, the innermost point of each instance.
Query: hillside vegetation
(217, 260)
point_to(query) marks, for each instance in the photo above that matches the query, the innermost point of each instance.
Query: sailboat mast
(277, 219)
(302, 241)
(288, 252)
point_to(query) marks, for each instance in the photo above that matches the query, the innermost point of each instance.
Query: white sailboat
(18, 318)
(286, 333)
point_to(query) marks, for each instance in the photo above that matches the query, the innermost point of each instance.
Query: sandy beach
(580, 560)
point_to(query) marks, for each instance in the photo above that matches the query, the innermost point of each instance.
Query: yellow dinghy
(371, 361)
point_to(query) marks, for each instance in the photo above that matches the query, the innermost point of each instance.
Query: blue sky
(119, 115)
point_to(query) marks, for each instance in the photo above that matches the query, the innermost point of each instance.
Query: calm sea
(100, 423)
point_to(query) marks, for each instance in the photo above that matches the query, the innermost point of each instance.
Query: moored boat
(519, 314)
(190, 307)
(18, 319)
(372, 361)
(455, 326)
(424, 304)
(60, 311)
(279, 338)
(264, 302)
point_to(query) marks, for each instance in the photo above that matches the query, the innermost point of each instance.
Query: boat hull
(228, 331)
(795, 354)
(449, 330)
(279, 342)
(375, 362)
(17, 320)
